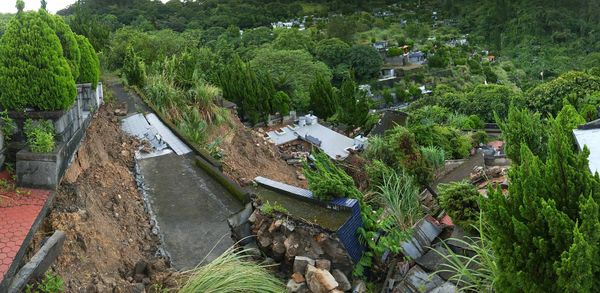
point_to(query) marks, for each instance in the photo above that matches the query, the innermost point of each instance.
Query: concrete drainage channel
(188, 208)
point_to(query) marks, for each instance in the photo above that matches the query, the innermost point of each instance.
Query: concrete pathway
(191, 209)
(189, 206)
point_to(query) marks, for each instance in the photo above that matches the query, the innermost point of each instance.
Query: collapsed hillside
(248, 154)
(109, 245)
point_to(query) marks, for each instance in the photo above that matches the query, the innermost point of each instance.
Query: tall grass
(475, 273)
(400, 196)
(434, 156)
(232, 272)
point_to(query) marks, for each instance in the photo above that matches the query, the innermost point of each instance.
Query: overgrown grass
(232, 272)
(475, 273)
(434, 155)
(400, 196)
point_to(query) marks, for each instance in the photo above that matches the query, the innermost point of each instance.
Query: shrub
(377, 171)
(134, 69)
(89, 68)
(68, 41)
(40, 135)
(49, 284)
(461, 202)
(232, 272)
(33, 71)
(327, 181)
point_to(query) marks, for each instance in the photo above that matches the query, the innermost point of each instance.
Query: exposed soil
(102, 214)
(249, 154)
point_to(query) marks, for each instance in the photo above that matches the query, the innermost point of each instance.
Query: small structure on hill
(380, 45)
(589, 135)
(389, 119)
(337, 146)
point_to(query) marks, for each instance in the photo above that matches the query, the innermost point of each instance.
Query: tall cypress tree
(33, 71)
(90, 64)
(68, 41)
(542, 231)
(323, 99)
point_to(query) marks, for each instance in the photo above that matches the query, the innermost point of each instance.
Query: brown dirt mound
(248, 154)
(100, 210)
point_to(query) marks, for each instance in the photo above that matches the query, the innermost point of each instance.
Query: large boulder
(321, 281)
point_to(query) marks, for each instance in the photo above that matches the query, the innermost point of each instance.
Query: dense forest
(457, 66)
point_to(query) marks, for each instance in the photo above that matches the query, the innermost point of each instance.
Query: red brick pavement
(18, 211)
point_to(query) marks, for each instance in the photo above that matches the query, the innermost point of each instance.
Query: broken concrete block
(300, 264)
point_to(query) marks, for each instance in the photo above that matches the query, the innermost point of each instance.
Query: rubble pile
(318, 276)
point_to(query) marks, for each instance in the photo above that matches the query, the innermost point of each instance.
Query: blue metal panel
(348, 232)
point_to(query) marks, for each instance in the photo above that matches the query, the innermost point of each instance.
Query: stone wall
(283, 238)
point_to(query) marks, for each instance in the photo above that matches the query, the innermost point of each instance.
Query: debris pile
(317, 276)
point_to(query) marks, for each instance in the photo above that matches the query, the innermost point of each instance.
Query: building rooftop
(334, 144)
(591, 139)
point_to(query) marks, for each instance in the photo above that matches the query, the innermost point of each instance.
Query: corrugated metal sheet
(172, 140)
(285, 187)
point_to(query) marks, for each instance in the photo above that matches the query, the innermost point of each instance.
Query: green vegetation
(68, 41)
(49, 284)
(232, 272)
(269, 208)
(89, 68)
(550, 221)
(476, 273)
(328, 181)
(33, 71)
(461, 202)
(40, 135)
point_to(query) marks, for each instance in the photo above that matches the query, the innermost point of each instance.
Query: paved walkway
(191, 209)
(20, 214)
(189, 206)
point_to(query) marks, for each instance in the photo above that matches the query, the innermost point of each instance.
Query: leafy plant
(89, 67)
(51, 283)
(8, 125)
(232, 272)
(40, 135)
(269, 208)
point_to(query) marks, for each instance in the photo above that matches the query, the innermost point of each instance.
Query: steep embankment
(99, 208)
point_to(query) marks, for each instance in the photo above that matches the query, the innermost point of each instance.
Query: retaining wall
(44, 170)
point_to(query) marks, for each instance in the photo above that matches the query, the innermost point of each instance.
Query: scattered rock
(298, 278)
(310, 271)
(342, 280)
(323, 264)
(301, 263)
(293, 287)
(141, 268)
(321, 281)
(139, 288)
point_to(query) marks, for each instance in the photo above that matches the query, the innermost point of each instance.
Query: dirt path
(100, 210)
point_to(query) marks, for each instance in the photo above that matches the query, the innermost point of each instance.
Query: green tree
(33, 71)
(281, 103)
(332, 52)
(365, 62)
(523, 128)
(134, 68)
(68, 41)
(89, 63)
(354, 105)
(293, 39)
(293, 71)
(535, 235)
(485, 100)
(323, 97)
